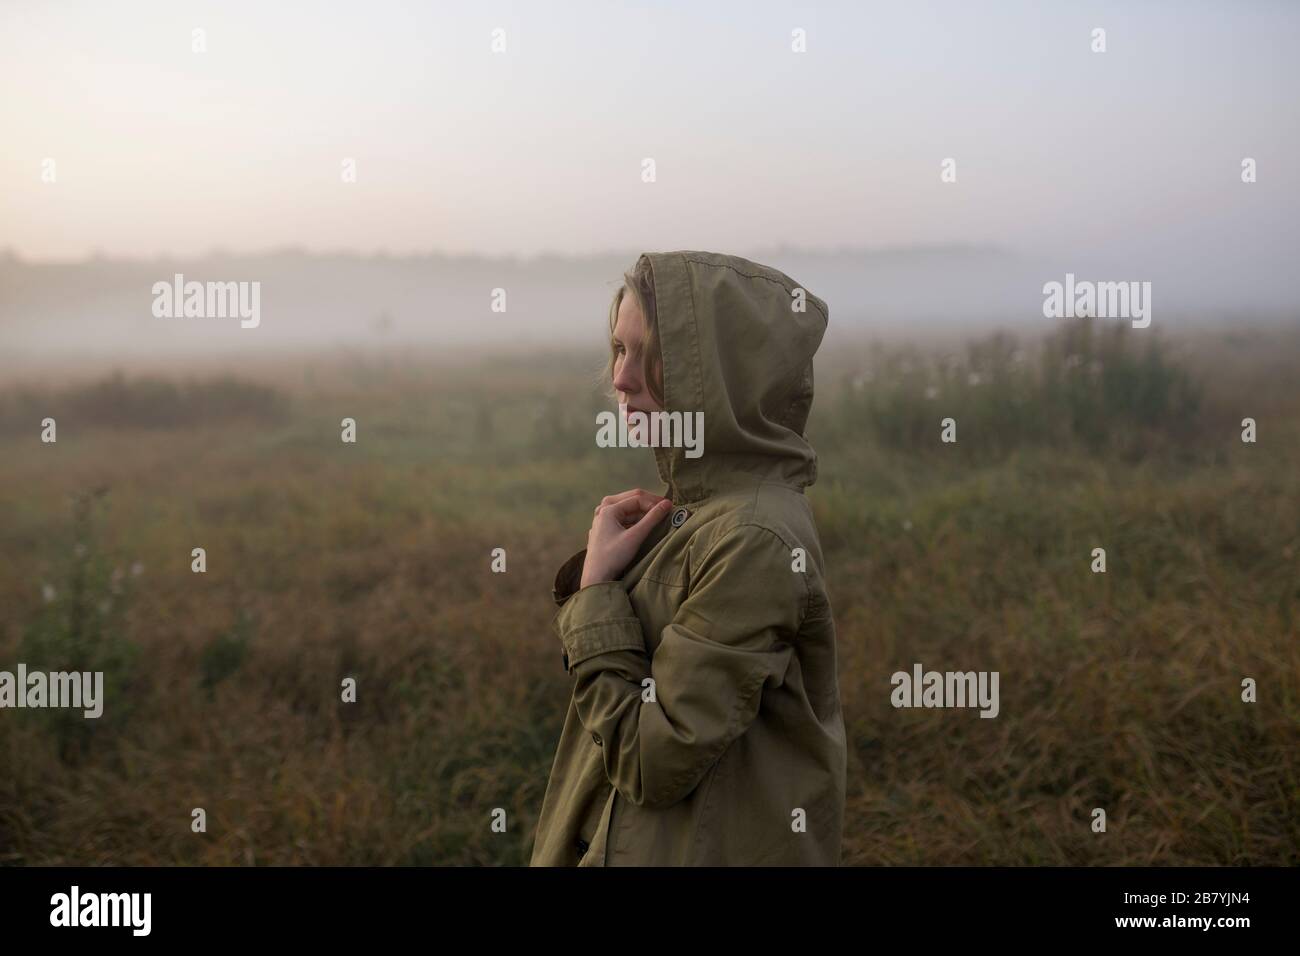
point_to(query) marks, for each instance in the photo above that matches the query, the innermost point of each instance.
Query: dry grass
(372, 561)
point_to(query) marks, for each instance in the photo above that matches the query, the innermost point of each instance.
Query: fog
(53, 311)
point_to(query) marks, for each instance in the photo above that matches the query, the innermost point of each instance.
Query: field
(1120, 690)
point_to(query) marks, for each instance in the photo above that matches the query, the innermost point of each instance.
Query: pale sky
(159, 150)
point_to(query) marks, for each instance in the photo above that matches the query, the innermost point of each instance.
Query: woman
(705, 724)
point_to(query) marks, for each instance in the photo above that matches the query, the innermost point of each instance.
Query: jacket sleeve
(731, 636)
(568, 577)
(567, 580)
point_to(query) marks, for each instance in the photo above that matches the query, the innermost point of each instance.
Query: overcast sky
(1137, 151)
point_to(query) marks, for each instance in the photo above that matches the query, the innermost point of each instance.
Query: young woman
(705, 724)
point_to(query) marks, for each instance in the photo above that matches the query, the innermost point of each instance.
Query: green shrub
(82, 627)
(1088, 385)
(146, 402)
(225, 654)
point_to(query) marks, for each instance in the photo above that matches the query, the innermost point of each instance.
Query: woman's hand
(621, 524)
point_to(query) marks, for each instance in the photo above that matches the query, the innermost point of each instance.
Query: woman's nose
(626, 383)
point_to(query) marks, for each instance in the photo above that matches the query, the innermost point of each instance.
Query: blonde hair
(639, 281)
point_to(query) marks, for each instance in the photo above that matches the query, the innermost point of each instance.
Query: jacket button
(596, 737)
(582, 845)
(679, 517)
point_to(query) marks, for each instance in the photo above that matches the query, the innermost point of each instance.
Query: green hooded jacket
(733, 753)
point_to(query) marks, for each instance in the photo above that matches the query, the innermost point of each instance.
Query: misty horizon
(310, 301)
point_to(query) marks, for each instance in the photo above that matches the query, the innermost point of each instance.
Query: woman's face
(629, 335)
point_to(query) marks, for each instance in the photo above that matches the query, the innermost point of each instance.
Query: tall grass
(372, 561)
(1104, 388)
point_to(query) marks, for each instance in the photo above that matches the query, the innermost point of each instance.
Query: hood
(735, 348)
